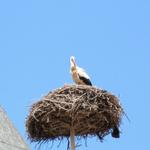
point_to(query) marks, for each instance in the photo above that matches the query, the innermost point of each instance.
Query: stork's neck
(73, 69)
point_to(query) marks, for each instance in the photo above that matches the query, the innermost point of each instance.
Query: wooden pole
(72, 138)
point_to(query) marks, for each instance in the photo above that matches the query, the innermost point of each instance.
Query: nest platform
(89, 110)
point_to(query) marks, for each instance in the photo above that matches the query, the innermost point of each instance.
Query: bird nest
(89, 110)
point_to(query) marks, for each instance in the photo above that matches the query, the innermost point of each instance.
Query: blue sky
(110, 39)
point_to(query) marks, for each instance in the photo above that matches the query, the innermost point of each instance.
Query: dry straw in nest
(86, 109)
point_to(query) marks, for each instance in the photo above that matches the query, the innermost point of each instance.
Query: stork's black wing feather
(115, 133)
(85, 80)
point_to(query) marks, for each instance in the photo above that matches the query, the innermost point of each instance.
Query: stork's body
(78, 74)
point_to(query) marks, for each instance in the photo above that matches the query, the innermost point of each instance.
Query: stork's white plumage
(78, 74)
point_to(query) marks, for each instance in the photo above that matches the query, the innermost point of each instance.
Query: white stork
(80, 77)
(78, 74)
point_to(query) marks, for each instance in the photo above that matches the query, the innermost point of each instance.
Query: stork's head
(72, 63)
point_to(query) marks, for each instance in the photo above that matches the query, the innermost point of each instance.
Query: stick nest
(91, 111)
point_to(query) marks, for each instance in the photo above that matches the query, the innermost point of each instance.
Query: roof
(10, 138)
